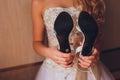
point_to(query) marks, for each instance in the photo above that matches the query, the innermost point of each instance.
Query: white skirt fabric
(46, 72)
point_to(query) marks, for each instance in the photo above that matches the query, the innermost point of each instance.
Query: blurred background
(18, 61)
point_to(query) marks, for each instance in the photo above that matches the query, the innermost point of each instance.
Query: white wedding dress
(49, 70)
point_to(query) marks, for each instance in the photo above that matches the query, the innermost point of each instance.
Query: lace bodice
(50, 16)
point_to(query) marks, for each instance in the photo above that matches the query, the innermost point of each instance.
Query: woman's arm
(38, 29)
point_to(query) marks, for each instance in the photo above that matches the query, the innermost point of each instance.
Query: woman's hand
(63, 59)
(87, 61)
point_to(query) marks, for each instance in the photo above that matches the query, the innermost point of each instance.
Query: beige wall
(16, 31)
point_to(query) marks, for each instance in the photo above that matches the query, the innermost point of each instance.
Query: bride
(67, 64)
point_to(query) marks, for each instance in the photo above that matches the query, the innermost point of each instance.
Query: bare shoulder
(38, 4)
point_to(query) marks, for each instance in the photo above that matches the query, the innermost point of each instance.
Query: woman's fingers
(84, 64)
(64, 59)
(87, 61)
(65, 63)
(96, 53)
(66, 55)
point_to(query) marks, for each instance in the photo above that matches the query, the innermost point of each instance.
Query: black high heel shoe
(89, 29)
(63, 26)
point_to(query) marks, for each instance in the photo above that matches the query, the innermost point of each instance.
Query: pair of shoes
(64, 25)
